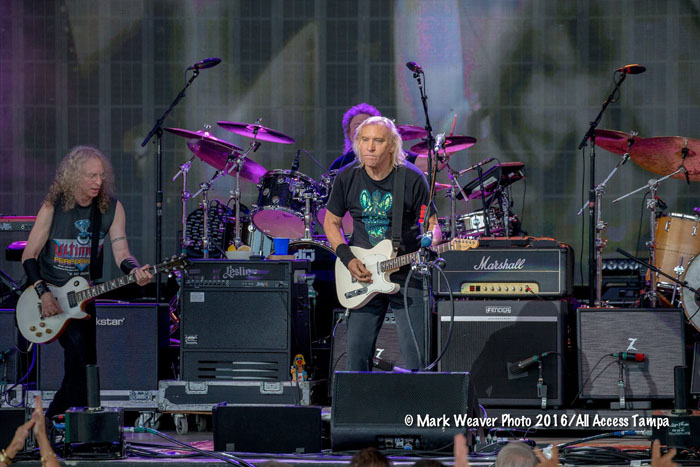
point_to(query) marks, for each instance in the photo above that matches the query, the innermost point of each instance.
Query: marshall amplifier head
(529, 272)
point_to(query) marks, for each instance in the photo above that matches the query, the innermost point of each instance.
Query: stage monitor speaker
(9, 339)
(399, 410)
(387, 347)
(128, 340)
(658, 333)
(288, 429)
(489, 336)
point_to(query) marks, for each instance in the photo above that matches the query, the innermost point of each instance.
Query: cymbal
(452, 144)
(410, 132)
(663, 155)
(215, 152)
(614, 141)
(259, 132)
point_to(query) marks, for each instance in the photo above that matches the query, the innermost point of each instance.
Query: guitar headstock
(175, 263)
(463, 244)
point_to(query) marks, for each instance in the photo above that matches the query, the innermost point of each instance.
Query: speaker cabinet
(399, 410)
(488, 336)
(658, 333)
(128, 340)
(293, 429)
(9, 338)
(387, 348)
(237, 321)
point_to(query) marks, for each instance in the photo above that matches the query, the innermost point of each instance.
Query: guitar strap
(95, 259)
(397, 212)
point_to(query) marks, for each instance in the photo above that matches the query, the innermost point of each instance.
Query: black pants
(79, 349)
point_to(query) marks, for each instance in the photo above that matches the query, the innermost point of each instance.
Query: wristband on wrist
(4, 458)
(41, 288)
(128, 265)
(345, 254)
(44, 459)
(31, 268)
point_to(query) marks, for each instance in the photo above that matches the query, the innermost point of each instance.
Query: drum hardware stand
(679, 270)
(186, 241)
(653, 186)
(454, 182)
(236, 159)
(487, 221)
(157, 130)
(601, 226)
(307, 197)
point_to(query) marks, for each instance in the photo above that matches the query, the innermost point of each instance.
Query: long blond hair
(397, 156)
(68, 178)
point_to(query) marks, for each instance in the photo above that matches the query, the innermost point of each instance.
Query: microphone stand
(157, 130)
(423, 265)
(590, 134)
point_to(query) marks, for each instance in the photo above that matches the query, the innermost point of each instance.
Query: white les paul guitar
(72, 299)
(381, 262)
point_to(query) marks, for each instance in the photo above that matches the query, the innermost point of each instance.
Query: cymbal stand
(307, 196)
(236, 160)
(185, 241)
(204, 188)
(653, 186)
(679, 270)
(601, 226)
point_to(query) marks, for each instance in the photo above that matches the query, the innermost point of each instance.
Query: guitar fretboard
(403, 260)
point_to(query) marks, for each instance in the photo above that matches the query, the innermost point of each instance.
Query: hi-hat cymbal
(452, 144)
(410, 132)
(664, 154)
(614, 141)
(215, 152)
(259, 132)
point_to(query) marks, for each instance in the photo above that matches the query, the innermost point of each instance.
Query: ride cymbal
(614, 141)
(664, 154)
(411, 132)
(259, 132)
(452, 145)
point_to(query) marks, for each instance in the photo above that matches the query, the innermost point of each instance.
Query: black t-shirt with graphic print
(370, 203)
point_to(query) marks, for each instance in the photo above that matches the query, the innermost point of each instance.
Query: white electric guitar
(381, 262)
(72, 299)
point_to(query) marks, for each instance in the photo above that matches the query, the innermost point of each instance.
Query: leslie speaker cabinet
(239, 320)
(490, 336)
(658, 333)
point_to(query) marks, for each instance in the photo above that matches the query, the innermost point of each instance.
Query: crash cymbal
(452, 144)
(202, 135)
(215, 152)
(410, 132)
(663, 154)
(259, 132)
(613, 140)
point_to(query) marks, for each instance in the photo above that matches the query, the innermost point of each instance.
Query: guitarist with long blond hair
(365, 189)
(60, 247)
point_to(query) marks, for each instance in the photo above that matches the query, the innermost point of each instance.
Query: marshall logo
(487, 265)
(239, 271)
(499, 310)
(110, 321)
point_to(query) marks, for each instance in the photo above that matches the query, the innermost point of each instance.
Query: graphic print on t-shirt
(375, 214)
(73, 254)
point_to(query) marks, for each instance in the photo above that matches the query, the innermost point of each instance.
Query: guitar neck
(108, 286)
(403, 260)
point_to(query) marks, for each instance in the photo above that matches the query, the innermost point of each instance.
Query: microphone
(522, 365)
(439, 142)
(385, 365)
(635, 357)
(206, 63)
(426, 239)
(414, 67)
(633, 69)
(295, 164)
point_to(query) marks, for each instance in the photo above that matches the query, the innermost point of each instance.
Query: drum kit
(674, 242)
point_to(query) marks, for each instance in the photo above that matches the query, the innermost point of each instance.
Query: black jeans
(79, 349)
(364, 323)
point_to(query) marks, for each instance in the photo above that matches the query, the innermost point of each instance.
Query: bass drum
(322, 259)
(691, 301)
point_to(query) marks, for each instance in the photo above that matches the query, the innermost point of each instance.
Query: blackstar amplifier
(514, 271)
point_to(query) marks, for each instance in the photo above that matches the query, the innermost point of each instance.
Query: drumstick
(454, 123)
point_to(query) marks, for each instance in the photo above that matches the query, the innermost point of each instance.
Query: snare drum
(324, 193)
(691, 302)
(677, 236)
(473, 224)
(280, 208)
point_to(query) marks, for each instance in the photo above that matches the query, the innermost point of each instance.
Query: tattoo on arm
(118, 239)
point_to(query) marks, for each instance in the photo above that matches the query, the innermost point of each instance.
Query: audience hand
(461, 451)
(657, 460)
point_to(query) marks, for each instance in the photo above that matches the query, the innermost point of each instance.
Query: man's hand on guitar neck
(49, 305)
(359, 271)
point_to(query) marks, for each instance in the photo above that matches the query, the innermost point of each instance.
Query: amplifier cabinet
(489, 336)
(526, 272)
(658, 333)
(128, 340)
